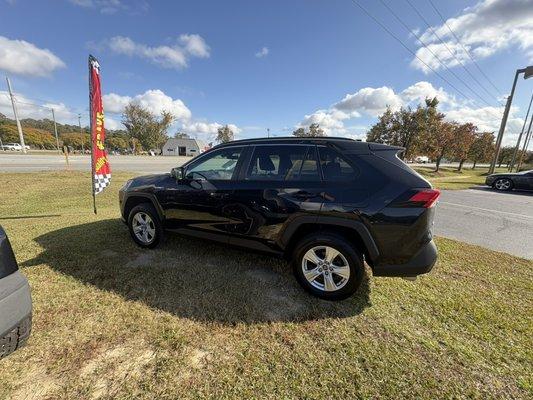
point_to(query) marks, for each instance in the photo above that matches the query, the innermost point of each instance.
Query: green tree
(76, 140)
(482, 148)
(224, 134)
(144, 126)
(180, 135)
(314, 131)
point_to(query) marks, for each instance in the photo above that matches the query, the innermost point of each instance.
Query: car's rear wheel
(328, 266)
(503, 184)
(144, 225)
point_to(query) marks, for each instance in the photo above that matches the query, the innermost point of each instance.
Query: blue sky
(258, 65)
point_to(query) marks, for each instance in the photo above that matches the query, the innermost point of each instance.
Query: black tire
(348, 251)
(16, 338)
(156, 225)
(503, 184)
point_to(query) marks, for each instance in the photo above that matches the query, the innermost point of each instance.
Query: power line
(434, 32)
(407, 47)
(433, 53)
(464, 48)
(402, 43)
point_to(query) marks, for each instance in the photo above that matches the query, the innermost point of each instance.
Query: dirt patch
(109, 370)
(263, 275)
(199, 358)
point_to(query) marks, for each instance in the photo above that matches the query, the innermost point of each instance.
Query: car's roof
(352, 145)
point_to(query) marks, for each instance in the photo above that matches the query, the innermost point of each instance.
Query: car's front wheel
(144, 225)
(328, 266)
(503, 184)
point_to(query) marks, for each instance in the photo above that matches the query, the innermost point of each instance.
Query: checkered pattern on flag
(101, 170)
(101, 181)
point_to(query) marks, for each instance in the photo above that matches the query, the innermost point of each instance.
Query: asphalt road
(499, 221)
(17, 162)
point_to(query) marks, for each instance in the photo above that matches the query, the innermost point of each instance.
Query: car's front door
(195, 204)
(277, 183)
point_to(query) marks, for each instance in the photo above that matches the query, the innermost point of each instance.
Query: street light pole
(55, 130)
(528, 72)
(526, 144)
(81, 134)
(19, 127)
(515, 153)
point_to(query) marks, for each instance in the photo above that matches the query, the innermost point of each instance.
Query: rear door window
(334, 166)
(283, 163)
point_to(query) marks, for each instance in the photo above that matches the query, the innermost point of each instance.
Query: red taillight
(425, 197)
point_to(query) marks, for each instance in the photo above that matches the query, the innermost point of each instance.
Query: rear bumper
(421, 263)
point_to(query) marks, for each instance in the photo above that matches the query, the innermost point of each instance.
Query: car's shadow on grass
(189, 278)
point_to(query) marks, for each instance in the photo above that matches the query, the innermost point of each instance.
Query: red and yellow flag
(101, 170)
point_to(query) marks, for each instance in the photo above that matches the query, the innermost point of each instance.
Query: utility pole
(526, 144)
(528, 72)
(81, 134)
(55, 130)
(21, 136)
(515, 153)
(268, 133)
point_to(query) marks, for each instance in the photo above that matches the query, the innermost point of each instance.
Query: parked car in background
(510, 181)
(12, 146)
(326, 204)
(15, 301)
(422, 159)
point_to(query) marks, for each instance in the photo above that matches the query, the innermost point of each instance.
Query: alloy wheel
(325, 268)
(143, 227)
(503, 184)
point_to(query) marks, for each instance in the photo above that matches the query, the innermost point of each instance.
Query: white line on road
(486, 209)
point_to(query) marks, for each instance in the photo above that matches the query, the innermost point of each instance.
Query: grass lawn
(197, 320)
(450, 178)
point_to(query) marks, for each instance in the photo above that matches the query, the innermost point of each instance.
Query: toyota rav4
(326, 204)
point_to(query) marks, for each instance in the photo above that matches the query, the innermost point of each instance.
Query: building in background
(183, 147)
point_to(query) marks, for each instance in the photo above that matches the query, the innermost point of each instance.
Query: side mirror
(177, 173)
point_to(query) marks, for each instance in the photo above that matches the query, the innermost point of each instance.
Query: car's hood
(503, 174)
(149, 180)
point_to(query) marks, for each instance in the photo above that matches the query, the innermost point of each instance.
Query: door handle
(217, 195)
(303, 195)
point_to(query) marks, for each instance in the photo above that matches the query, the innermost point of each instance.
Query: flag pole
(91, 130)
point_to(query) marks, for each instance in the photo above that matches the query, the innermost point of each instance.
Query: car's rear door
(277, 183)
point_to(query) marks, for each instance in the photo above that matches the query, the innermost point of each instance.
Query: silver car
(15, 301)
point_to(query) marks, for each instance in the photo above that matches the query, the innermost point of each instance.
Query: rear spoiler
(384, 147)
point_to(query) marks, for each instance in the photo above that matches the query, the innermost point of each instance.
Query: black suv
(327, 204)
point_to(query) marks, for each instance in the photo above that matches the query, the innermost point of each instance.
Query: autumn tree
(505, 156)
(224, 134)
(141, 124)
(482, 148)
(314, 131)
(464, 137)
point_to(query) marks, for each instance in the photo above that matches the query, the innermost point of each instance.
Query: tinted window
(218, 165)
(283, 163)
(334, 166)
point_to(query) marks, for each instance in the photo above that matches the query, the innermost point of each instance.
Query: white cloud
(112, 6)
(157, 101)
(24, 58)
(26, 109)
(154, 100)
(206, 130)
(175, 56)
(485, 29)
(371, 102)
(262, 53)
